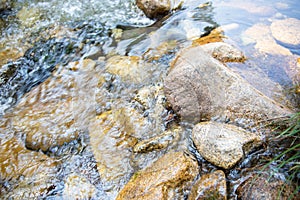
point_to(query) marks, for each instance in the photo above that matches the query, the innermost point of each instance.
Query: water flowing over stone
(200, 88)
(172, 172)
(222, 144)
(210, 186)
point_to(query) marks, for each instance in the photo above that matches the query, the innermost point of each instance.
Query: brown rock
(263, 186)
(222, 144)
(199, 87)
(210, 186)
(154, 8)
(172, 172)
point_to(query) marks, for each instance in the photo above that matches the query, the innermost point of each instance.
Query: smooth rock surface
(157, 8)
(200, 88)
(222, 144)
(172, 172)
(286, 31)
(210, 186)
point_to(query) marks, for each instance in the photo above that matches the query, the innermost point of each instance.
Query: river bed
(72, 69)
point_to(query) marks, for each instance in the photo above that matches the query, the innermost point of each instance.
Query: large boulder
(222, 144)
(210, 186)
(199, 88)
(172, 172)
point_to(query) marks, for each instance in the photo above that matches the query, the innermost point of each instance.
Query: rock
(29, 16)
(130, 68)
(172, 172)
(200, 88)
(157, 8)
(46, 115)
(222, 144)
(224, 52)
(210, 186)
(5, 4)
(261, 35)
(77, 187)
(286, 31)
(113, 134)
(264, 186)
(158, 142)
(34, 172)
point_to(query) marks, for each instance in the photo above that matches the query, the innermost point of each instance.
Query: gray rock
(222, 144)
(199, 87)
(210, 186)
(172, 172)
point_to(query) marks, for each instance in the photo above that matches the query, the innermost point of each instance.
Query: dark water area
(81, 84)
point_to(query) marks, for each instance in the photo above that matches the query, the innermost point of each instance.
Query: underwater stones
(222, 144)
(286, 31)
(130, 68)
(174, 171)
(113, 134)
(199, 88)
(210, 186)
(77, 187)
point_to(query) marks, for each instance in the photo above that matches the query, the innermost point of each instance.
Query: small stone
(222, 144)
(210, 186)
(287, 31)
(172, 172)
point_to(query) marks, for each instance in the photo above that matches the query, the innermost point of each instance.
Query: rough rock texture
(222, 144)
(261, 35)
(157, 8)
(199, 87)
(46, 115)
(77, 187)
(287, 31)
(224, 52)
(172, 172)
(263, 186)
(210, 186)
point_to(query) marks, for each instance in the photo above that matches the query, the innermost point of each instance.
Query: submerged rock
(200, 88)
(287, 31)
(167, 178)
(222, 144)
(210, 186)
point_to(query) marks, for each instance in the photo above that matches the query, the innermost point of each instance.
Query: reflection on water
(77, 94)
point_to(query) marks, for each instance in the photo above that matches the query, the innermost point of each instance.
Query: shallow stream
(57, 88)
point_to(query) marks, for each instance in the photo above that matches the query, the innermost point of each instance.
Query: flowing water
(55, 77)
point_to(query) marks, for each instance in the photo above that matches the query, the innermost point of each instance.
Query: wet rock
(222, 144)
(261, 36)
(113, 134)
(264, 186)
(77, 187)
(287, 31)
(167, 178)
(156, 8)
(210, 186)
(200, 88)
(33, 172)
(224, 52)
(55, 112)
(158, 142)
(130, 68)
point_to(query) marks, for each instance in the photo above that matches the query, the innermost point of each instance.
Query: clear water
(41, 93)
